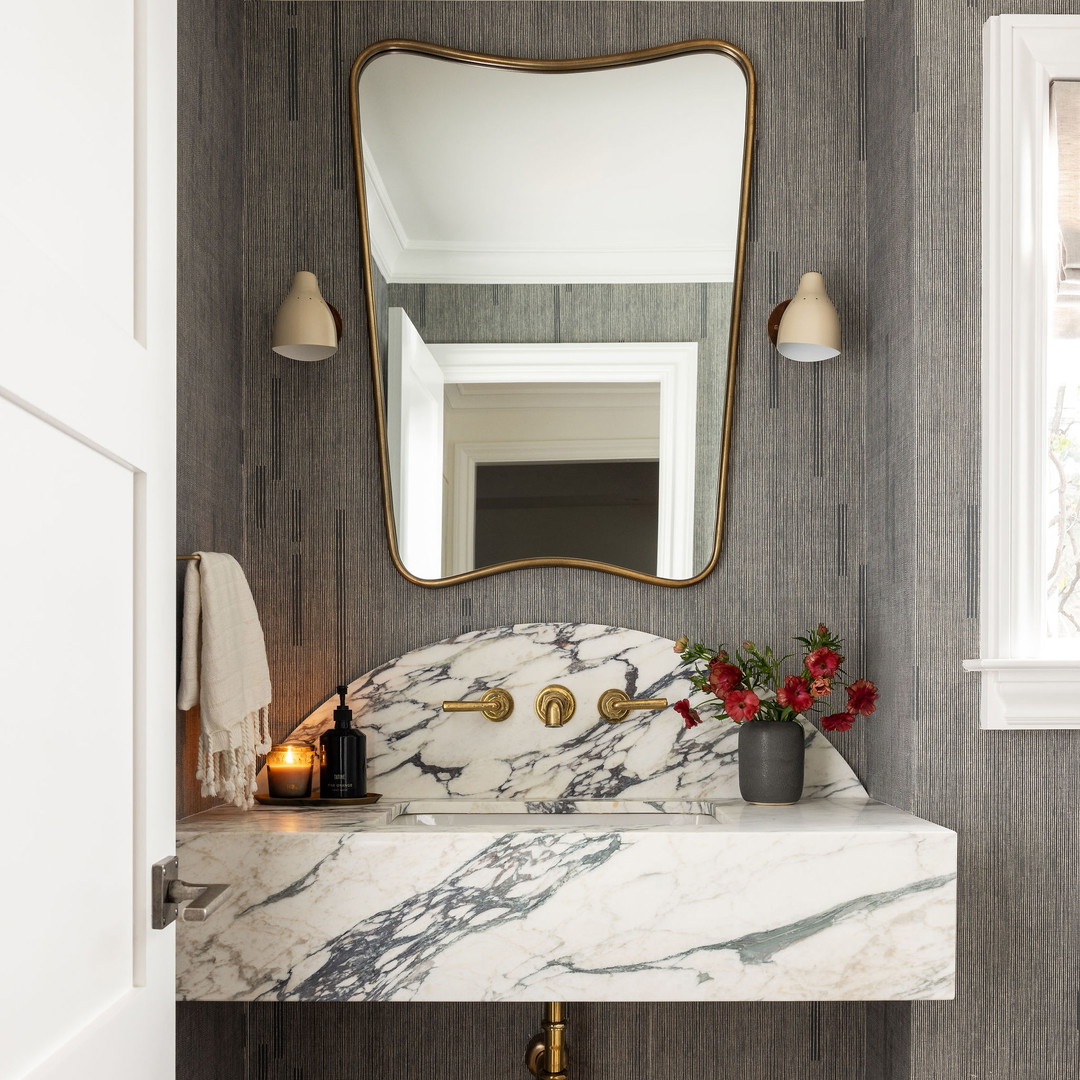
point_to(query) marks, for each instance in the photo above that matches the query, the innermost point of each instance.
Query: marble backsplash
(415, 750)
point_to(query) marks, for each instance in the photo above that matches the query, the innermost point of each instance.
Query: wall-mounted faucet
(555, 705)
(615, 705)
(495, 704)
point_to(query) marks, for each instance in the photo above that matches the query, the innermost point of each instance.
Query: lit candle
(288, 770)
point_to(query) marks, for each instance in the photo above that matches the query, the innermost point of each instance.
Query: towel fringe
(230, 773)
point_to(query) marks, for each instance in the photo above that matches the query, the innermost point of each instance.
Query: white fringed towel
(223, 670)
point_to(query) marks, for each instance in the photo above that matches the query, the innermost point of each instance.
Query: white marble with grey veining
(416, 750)
(828, 899)
(837, 897)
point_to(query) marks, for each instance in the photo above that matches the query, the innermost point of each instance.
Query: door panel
(87, 490)
(70, 691)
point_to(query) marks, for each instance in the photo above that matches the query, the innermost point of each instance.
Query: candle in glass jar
(288, 770)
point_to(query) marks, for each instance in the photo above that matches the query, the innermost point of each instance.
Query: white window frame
(1022, 685)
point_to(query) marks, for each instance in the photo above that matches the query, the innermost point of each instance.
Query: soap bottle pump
(342, 765)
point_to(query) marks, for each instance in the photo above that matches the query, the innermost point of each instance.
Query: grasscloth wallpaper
(210, 306)
(1011, 796)
(853, 499)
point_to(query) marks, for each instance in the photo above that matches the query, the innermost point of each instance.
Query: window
(1030, 632)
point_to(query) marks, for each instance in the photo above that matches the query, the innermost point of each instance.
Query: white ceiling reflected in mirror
(553, 254)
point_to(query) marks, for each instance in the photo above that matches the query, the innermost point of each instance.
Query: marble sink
(519, 815)
(592, 862)
(829, 899)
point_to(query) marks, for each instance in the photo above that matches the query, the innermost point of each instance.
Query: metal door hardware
(168, 892)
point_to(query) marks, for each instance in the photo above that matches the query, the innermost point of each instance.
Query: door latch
(168, 892)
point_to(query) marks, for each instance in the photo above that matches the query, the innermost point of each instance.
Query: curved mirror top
(554, 260)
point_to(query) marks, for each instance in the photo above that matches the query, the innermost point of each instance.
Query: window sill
(1028, 694)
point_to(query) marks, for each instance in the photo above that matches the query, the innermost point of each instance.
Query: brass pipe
(547, 1057)
(556, 1060)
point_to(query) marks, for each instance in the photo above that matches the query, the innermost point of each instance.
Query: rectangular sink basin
(520, 822)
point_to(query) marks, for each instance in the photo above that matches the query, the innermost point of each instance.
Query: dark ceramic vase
(771, 756)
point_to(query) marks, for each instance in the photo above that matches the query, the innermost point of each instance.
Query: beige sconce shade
(809, 328)
(305, 327)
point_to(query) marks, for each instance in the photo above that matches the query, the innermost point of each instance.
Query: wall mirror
(553, 257)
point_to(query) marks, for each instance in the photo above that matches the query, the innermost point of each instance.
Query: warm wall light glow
(305, 328)
(810, 327)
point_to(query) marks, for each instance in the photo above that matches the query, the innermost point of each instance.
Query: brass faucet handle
(555, 705)
(615, 705)
(495, 704)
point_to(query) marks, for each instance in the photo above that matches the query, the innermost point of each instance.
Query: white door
(414, 434)
(87, 371)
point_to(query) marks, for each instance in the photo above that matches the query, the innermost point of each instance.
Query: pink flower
(691, 717)
(680, 645)
(822, 630)
(741, 705)
(822, 663)
(840, 721)
(795, 693)
(723, 677)
(820, 688)
(861, 696)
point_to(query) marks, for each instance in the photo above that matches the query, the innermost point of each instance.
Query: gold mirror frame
(595, 63)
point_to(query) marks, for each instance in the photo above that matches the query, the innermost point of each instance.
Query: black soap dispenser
(343, 764)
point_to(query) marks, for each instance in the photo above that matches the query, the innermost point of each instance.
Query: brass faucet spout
(555, 705)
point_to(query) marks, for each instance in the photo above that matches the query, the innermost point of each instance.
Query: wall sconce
(806, 327)
(306, 327)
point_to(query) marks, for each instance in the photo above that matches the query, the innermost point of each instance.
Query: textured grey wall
(209, 393)
(1010, 795)
(333, 606)
(671, 311)
(806, 515)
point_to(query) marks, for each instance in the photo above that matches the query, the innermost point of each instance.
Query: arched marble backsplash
(415, 750)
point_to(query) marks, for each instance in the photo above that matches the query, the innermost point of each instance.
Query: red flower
(822, 629)
(723, 677)
(861, 696)
(691, 718)
(820, 688)
(795, 693)
(741, 705)
(822, 663)
(840, 721)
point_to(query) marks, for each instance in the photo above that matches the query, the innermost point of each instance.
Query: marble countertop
(827, 899)
(810, 816)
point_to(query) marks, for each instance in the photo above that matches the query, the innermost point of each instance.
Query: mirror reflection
(553, 267)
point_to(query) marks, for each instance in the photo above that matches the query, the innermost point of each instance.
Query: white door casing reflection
(619, 401)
